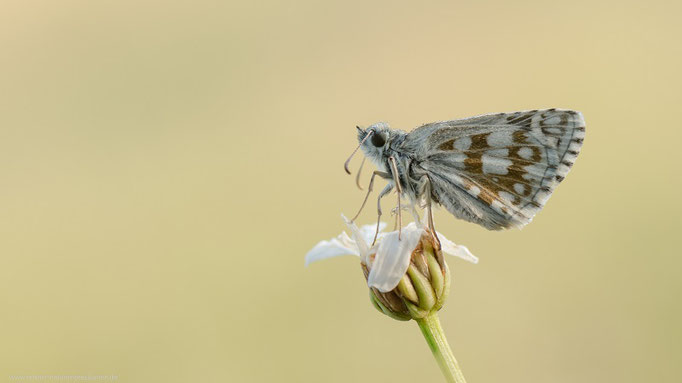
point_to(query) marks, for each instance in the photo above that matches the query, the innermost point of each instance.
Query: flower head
(406, 272)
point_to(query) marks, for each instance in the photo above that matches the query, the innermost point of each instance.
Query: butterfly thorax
(384, 144)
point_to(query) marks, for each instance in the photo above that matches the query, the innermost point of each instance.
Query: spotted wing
(499, 170)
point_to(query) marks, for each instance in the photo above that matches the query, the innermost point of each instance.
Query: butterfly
(495, 170)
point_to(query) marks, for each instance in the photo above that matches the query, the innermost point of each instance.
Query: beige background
(165, 166)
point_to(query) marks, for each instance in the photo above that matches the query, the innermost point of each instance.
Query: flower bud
(422, 289)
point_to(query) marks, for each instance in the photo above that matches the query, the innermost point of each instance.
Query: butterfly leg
(369, 190)
(429, 210)
(386, 190)
(396, 179)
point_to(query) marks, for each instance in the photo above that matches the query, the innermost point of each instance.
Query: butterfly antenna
(345, 164)
(357, 177)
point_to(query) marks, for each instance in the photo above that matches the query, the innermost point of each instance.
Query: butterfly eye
(378, 140)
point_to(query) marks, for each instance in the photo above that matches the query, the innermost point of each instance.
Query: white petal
(449, 247)
(393, 258)
(346, 241)
(359, 238)
(329, 249)
(367, 231)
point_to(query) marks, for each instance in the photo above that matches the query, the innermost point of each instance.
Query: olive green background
(165, 166)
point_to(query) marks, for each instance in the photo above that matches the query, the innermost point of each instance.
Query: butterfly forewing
(498, 170)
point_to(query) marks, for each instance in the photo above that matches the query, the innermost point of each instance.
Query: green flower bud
(424, 287)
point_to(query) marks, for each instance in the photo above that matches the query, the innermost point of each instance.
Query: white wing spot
(459, 157)
(532, 177)
(498, 152)
(506, 197)
(520, 188)
(474, 191)
(499, 139)
(494, 165)
(526, 153)
(463, 143)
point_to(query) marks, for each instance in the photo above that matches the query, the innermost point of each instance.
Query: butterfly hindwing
(498, 170)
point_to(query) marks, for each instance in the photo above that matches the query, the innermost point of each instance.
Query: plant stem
(433, 333)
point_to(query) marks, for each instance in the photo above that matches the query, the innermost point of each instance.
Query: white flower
(392, 255)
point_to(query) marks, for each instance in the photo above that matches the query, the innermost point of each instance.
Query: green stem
(435, 337)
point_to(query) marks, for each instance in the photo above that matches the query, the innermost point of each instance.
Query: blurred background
(166, 165)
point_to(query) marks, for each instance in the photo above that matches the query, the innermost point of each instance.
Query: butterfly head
(374, 140)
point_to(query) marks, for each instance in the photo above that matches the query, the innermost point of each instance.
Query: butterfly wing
(497, 170)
